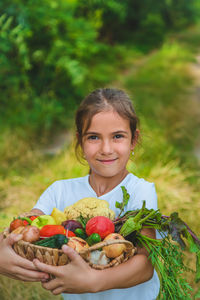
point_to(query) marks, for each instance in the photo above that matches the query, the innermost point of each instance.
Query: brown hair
(103, 99)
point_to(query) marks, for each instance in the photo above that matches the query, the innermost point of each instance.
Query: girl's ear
(135, 139)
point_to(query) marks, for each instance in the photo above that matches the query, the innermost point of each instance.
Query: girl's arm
(77, 277)
(34, 211)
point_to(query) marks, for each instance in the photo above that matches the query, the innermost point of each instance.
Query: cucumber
(55, 241)
(93, 239)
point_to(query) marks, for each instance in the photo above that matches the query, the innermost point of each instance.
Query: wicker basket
(57, 257)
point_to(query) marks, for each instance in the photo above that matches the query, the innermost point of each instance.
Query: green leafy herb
(82, 220)
(125, 200)
(166, 254)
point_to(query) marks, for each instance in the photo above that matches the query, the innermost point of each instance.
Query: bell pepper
(43, 220)
(58, 216)
(28, 221)
(49, 230)
(69, 233)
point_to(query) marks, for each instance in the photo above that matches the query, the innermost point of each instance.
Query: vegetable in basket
(71, 225)
(88, 208)
(56, 241)
(113, 251)
(49, 230)
(43, 220)
(101, 225)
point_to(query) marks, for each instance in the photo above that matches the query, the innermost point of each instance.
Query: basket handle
(85, 251)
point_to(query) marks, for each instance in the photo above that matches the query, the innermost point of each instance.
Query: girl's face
(107, 144)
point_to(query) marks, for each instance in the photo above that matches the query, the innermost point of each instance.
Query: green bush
(47, 54)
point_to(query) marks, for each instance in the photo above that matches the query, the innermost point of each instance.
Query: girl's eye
(118, 136)
(93, 137)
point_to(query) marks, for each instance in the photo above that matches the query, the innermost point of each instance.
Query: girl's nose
(106, 147)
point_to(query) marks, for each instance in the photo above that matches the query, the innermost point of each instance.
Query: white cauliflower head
(89, 207)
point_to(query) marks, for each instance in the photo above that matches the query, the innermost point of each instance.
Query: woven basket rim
(96, 246)
(83, 253)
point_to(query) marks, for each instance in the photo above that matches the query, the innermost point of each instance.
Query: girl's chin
(109, 173)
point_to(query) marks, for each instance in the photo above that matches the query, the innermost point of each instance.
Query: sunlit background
(53, 53)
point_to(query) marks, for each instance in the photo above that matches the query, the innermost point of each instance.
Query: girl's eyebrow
(96, 133)
(90, 132)
(120, 131)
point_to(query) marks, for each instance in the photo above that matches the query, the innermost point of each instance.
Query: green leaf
(125, 200)
(126, 196)
(176, 229)
(118, 205)
(197, 277)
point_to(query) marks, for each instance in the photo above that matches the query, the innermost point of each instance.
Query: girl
(107, 133)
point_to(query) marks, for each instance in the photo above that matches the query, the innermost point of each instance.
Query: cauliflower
(89, 207)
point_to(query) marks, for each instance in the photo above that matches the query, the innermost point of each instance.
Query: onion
(31, 234)
(71, 225)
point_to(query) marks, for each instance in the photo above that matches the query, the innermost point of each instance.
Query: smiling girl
(107, 133)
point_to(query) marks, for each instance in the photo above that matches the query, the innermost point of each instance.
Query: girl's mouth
(107, 161)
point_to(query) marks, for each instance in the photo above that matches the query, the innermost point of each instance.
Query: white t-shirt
(63, 193)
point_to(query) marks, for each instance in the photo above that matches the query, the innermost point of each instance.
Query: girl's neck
(103, 185)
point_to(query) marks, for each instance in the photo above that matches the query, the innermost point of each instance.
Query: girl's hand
(13, 265)
(74, 278)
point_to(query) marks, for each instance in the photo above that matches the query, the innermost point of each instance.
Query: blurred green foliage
(163, 97)
(52, 53)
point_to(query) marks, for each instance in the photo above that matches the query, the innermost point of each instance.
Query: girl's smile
(107, 145)
(107, 161)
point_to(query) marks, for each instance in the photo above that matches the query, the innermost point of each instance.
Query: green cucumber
(55, 241)
(93, 239)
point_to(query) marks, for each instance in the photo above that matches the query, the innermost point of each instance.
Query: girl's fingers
(28, 275)
(13, 238)
(58, 291)
(25, 263)
(52, 284)
(45, 268)
(72, 254)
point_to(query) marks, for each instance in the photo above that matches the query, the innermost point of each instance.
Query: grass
(161, 87)
(12, 289)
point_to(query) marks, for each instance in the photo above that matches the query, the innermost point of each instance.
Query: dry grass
(12, 289)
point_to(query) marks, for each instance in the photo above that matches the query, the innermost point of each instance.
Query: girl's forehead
(110, 119)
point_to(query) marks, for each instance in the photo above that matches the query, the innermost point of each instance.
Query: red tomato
(49, 230)
(101, 225)
(15, 224)
(69, 233)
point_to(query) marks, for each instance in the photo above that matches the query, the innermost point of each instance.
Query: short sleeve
(47, 200)
(145, 191)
